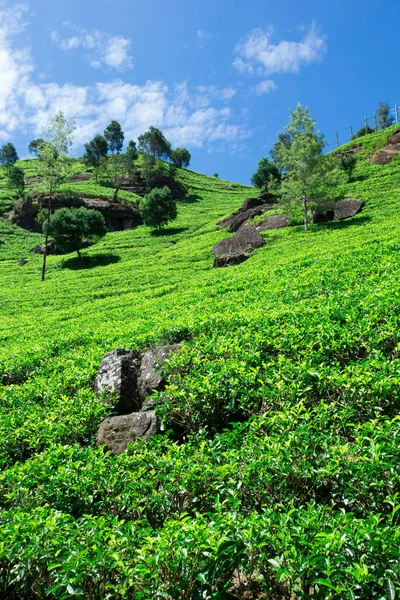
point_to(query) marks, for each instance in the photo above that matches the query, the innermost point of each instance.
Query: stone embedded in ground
(149, 377)
(349, 207)
(116, 432)
(323, 217)
(236, 220)
(118, 373)
(229, 261)
(274, 222)
(22, 262)
(389, 151)
(246, 239)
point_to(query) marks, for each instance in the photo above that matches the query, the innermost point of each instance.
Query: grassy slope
(307, 330)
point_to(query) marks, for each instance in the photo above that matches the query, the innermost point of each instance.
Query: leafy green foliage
(8, 155)
(96, 153)
(383, 116)
(33, 146)
(296, 352)
(158, 208)
(154, 143)
(180, 157)
(347, 162)
(76, 228)
(114, 137)
(366, 130)
(16, 180)
(267, 173)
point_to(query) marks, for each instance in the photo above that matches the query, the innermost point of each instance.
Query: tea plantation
(285, 483)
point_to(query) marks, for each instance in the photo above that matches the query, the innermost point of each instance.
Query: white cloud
(256, 54)
(102, 48)
(196, 117)
(265, 87)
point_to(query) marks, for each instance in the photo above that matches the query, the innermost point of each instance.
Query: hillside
(297, 498)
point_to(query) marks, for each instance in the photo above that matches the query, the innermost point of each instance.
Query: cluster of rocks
(250, 208)
(236, 249)
(131, 377)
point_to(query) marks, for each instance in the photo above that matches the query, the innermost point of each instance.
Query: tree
(34, 145)
(302, 160)
(75, 228)
(181, 157)
(383, 118)
(8, 155)
(16, 179)
(216, 175)
(115, 137)
(96, 154)
(155, 144)
(266, 174)
(159, 207)
(53, 165)
(366, 130)
(131, 157)
(347, 162)
(283, 143)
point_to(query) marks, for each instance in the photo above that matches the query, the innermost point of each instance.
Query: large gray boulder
(244, 240)
(236, 220)
(149, 377)
(116, 432)
(274, 222)
(344, 209)
(229, 261)
(118, 373)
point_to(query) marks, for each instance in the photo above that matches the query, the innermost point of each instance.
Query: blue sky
(217, 76)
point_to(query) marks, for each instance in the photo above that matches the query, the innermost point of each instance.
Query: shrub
(76, 228)
(159, 207)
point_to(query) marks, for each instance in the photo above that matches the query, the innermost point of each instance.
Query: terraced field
(285, 483)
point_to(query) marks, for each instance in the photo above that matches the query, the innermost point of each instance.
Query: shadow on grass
(89, 262)
(190, 199)
(343, 224)
(168, 231)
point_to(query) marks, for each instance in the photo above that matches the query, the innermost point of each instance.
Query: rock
(116, 432)
(389, 151)
(39, 248)
(118, 214)
(246, 239)
(253, 202)
(274, 222)
(22, 262)
(150, 378)
(344, 209)
(118, 373)
(236, 220)
(229, 261)
(323, 217)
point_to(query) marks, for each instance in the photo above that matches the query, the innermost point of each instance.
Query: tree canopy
(180, 157)
(115, 137)
(76, 228)
(96, 153)
(154, 143)
(158, 207)
(302, 159)
(16, 179)
(34, 145)
(267, 173)
(8, 155)
(384, 120)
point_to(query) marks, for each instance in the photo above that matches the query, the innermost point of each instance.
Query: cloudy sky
(217, 76)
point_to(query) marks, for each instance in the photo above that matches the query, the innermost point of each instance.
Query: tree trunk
(116, 193)
(305, 214)
(79, 253)
(46, 242)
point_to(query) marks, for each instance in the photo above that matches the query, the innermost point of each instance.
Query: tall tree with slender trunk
(54, 166)
(302, 160)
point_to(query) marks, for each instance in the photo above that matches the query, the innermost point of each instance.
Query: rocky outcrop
(239, 245)
(118, 214)
(150, 378)
(337, 211)
(131, 378)
(39, 248)
(229, 261)
(274, 222)
(238, 218)
(389, 151)
(116, 432)
(118, 373)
